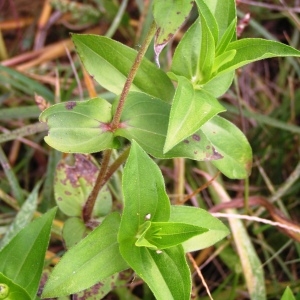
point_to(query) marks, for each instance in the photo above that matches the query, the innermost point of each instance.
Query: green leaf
(223, 11)
(288, 294)
(190, 110)
(185, 60)
(141, 241)
(218, 85)
(145, 119)
(166, 273)
(79, 126)
(74, 231)
(232, 145)
(90, 261)
(145, 199)
(195, 63)
(199, 217)
(144, 193)
(210, 20)
(222, 59)
(253, 49)
(207, 54)
(74, 180)
(22, 260)
(164, 235)
(169, 15)
(109, 62)
(23, 217)
(227, 37)
(11, 291)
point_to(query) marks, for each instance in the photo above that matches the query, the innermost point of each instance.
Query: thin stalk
(90, 203)
(246, 195)
(3, 51)
(131, 75)
(23, 131)
(294, 176)
(116, 164)
(104, 172)
(117, 20)
(179, 167)
(9, 200)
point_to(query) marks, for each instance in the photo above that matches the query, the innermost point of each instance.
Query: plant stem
(105, 172)
(101, 181)
(90, 203)
(131, 75)
(115, 166)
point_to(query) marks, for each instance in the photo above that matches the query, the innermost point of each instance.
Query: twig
(80, 90)
(255, 219)
(294, 176)
(201, 188)
(200, 275)
(270, 6)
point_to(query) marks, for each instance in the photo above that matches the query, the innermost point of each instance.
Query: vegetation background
(263, 102)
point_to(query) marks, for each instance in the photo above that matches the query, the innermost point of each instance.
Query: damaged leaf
(190, 110)
(74, 179)
(232, 144)
(109, 62)
(145, 119)
(169, 15)
(79, 126)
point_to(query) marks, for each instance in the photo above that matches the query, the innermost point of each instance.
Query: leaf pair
(164, 235)
(82, 127)
(148, 224)
(204, 71)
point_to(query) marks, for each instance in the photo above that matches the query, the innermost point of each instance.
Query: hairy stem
(131, 75)
(116, 164)
(90, 203)
(106, 172)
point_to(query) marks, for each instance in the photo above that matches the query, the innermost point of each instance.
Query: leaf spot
(82, 168)
(196, 137)
(70, 105)
(186, 141)
(216, 154)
